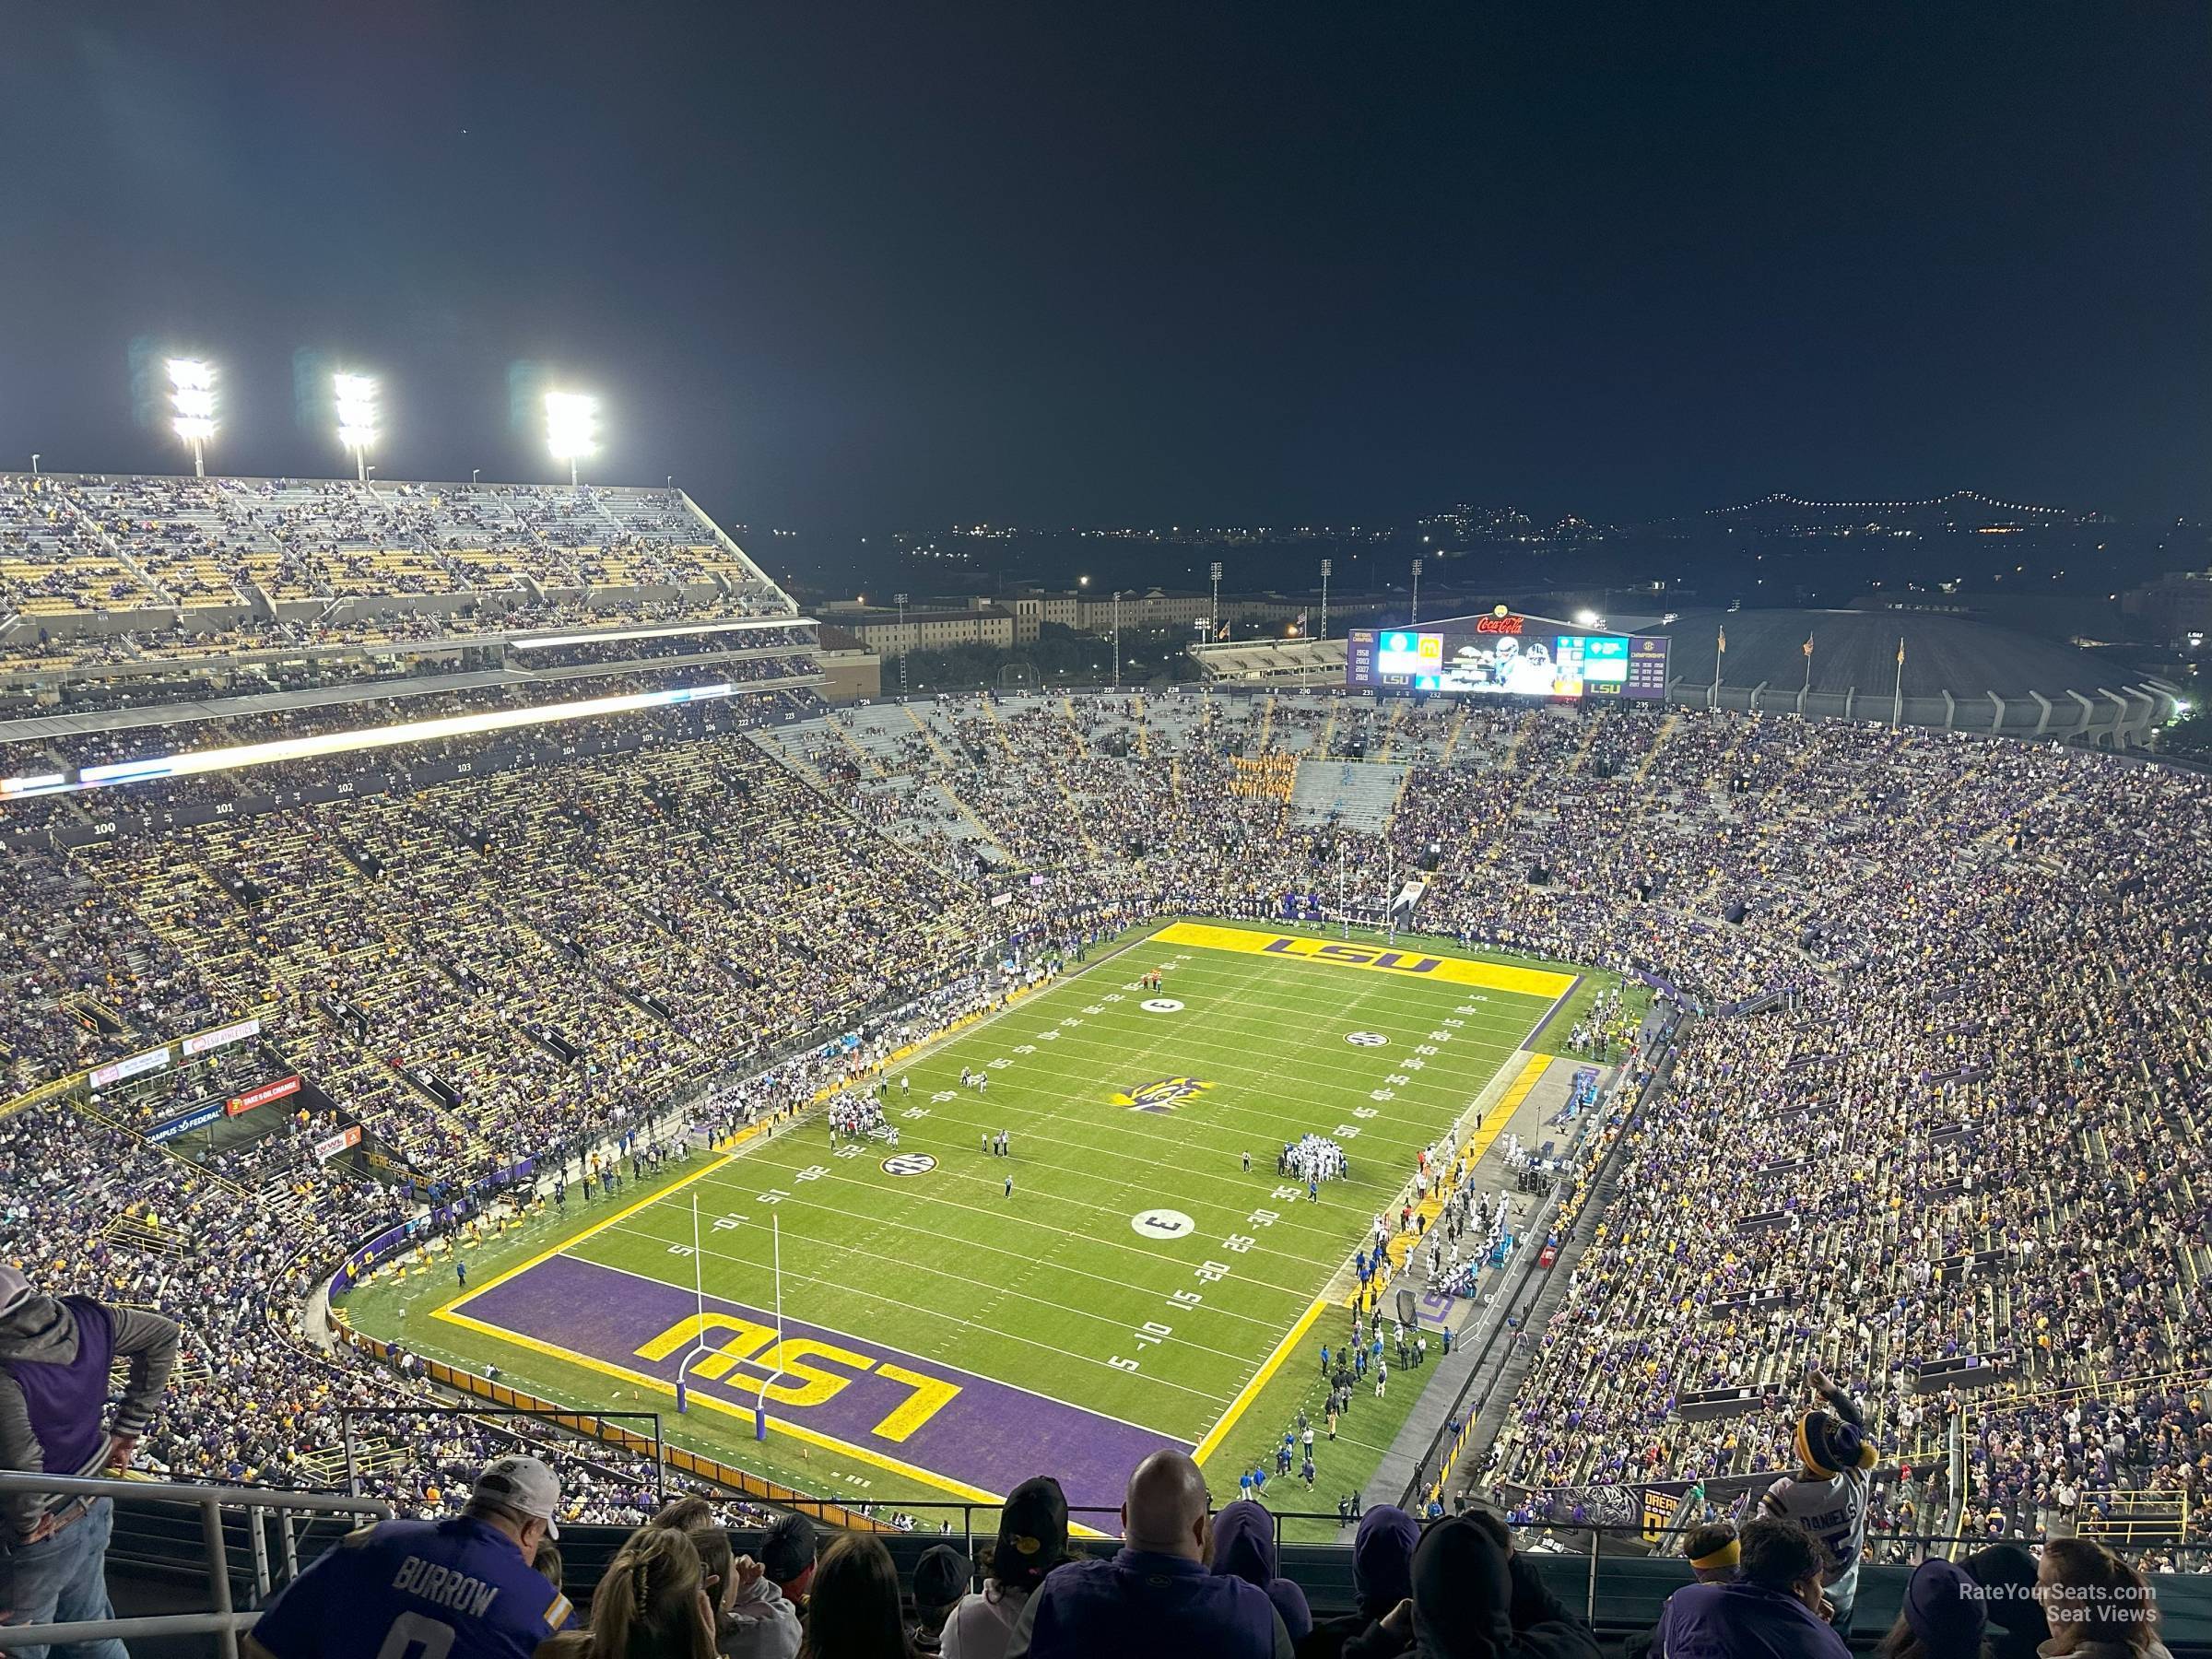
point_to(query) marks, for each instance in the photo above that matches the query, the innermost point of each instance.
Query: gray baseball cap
(15, 1289)
(525, 1485)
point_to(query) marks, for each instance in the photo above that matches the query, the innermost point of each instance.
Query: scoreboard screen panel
(1500, 657)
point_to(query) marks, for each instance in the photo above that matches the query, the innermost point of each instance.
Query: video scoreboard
(1505, 654)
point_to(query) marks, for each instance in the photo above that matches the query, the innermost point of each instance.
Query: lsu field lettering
(965, 1434)
(810, 1384)
(1450, 969)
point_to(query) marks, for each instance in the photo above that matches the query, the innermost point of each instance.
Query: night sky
(854, 268)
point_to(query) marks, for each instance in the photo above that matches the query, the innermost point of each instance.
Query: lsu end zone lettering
(1374, 958)
(969, 1435)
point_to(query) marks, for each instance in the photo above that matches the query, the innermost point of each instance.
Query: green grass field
(942, 1334)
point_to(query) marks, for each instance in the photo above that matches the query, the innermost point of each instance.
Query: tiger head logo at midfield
(1161, 1096)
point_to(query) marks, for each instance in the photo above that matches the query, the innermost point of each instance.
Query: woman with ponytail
(652, 1603)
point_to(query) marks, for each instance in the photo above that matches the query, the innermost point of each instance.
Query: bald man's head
(1164, 1511)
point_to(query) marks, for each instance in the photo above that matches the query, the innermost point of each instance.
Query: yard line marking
(1479, 1144)
(1251, 1391)
(971, 1324)
(1001, 1215)
(1016, 1254)
(713, 1164)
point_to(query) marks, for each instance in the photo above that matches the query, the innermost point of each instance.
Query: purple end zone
(983, 1434)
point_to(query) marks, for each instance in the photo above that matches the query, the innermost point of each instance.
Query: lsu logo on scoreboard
(1161, 1096)
(1354, 956)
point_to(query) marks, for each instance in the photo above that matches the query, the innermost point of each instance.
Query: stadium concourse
(1938, 1123)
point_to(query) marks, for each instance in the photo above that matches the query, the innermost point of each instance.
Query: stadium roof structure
(1958, 673)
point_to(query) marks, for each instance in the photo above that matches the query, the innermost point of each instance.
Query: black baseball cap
(1032, 1532)
(788, 1549)
(940, 1578)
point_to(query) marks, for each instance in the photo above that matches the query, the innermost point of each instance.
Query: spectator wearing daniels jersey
(1828, 1495)
(54, 1360)
(462, 1588)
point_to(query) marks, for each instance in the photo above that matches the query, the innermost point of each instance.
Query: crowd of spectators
(1963, 1165)
(688, 1585)
(139, 592)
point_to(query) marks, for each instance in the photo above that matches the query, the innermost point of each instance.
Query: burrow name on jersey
(442, 1587)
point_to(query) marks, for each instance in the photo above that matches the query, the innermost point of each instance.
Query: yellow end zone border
(451, 1314)
(1411, 962)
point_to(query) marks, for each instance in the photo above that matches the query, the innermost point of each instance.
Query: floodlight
(571, 426)
(1587, 619)
(356, 398)
(192, 396)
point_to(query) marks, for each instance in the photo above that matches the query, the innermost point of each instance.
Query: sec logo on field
(909, 1163)
(1367, 1039)
(1160, 1005)
(1162, 1224)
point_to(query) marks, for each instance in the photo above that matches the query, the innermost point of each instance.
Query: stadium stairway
(1359, 795)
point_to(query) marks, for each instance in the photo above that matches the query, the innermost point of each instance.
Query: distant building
(884, 632)
(2177, 605)
(1154, 610)
(851, 672)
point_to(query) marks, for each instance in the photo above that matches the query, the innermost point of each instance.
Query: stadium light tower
(1214, 623)
(1326, 566)
(904, 645)
(1414, 615)
(356, 395)
(571, 428)
(1117, 639)
(192, 396)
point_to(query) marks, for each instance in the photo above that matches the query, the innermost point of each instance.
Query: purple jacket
(1743, 1621)
(1146, 1603)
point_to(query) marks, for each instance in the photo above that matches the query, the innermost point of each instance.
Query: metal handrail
(225, 1622)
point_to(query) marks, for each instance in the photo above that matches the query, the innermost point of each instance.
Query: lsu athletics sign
(1373, 958)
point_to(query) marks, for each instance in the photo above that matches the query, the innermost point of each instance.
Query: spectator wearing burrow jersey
(1154, 1596)
(54, 1360)
(462, 1588)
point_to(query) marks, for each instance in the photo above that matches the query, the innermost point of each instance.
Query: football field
(958, 1320)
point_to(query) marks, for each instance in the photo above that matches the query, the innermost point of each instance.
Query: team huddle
(860, 1117)
(1314, 1159)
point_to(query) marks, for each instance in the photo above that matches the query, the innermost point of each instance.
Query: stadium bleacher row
(1978, 1134)
(76, 543)
(124, 599)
